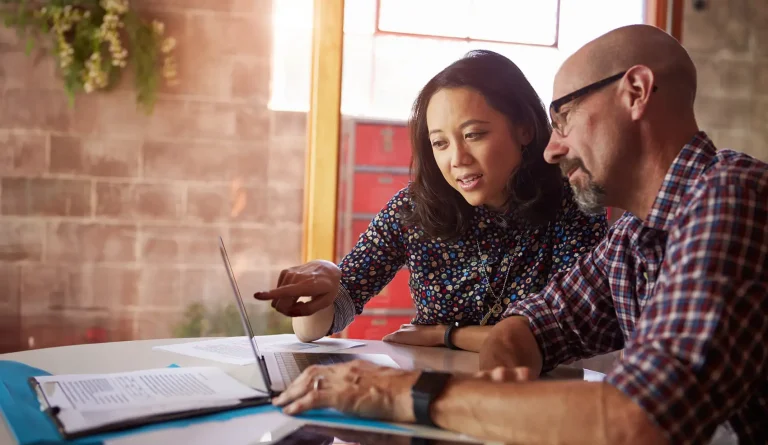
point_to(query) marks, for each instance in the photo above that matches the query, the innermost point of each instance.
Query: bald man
(680, 283)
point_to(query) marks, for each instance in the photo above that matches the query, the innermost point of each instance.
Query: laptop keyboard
(292, 363)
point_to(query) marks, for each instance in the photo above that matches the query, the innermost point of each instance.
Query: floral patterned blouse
(446, 279)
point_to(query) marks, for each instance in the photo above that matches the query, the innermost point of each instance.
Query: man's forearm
(563, 412)
(511, 344)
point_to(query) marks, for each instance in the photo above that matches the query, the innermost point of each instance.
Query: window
(492, 20)
(389, 56)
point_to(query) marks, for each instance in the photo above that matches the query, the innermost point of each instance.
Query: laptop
(276, 370)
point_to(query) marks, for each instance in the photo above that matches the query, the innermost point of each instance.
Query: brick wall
(728, 41)
(109, 218)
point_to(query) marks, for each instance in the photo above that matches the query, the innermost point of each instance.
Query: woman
(485, 221)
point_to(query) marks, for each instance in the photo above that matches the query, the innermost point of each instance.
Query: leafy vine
(94, 41)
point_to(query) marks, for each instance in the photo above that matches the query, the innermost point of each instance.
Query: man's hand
(357, 387)
(511, 344)
(507, 375)
(418, 335)
(496, 353)
(319, 280)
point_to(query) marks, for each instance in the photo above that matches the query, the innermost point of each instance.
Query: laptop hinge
(265, 373)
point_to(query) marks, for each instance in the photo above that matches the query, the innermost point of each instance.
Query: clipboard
(125, 424)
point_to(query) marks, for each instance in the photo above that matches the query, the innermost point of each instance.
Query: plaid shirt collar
(689, 164)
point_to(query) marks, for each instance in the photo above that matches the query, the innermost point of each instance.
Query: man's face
(590, 196)
(586, 131)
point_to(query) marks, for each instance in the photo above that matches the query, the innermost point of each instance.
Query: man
(680, 282)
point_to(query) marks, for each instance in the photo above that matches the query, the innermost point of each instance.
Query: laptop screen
(241, 307)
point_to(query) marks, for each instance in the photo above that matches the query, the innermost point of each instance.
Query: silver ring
(316, 383)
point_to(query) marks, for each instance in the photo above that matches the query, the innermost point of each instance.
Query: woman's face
(475, 146)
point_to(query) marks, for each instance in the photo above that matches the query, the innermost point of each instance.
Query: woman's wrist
(448, 332)
(440, 331)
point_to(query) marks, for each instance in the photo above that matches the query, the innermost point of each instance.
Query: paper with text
(85, 392)
(235, 350)
(289, 343)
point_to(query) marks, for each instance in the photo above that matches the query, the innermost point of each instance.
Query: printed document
(150, 387)
(237, 351)
(86, 401)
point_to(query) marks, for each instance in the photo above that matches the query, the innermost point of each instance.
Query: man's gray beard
(590, 199)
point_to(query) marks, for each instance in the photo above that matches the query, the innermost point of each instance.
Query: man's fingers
(293, 392)
(517, 374)
(523, 373)
(501, 374)
(304, 383)
(358, 364)
(494, 360)
(324, 396)
(310, 400)
(481, 375)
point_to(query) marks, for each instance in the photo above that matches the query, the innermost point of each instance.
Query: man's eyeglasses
(554, 107)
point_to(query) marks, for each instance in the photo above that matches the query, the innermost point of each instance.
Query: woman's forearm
(315, 326)
(470, 338)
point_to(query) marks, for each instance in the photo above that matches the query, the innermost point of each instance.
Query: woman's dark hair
(534, 189)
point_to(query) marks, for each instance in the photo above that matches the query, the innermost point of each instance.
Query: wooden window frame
(665, 14)
(323, 130)
(380, 31)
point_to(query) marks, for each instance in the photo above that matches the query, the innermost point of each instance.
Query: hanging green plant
(94, 41)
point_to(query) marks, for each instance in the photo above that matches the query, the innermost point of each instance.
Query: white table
(136, 355)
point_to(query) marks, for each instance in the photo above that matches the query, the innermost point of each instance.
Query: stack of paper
(88, 403)
(237, 351)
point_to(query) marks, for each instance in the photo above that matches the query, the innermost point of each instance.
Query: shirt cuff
(343, 311)
(668, 393)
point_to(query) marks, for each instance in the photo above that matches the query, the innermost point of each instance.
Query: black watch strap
(426, 389)
(448, 332)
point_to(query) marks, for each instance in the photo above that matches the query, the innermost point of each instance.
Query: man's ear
(638, 85)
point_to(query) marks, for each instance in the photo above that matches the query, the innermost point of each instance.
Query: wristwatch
(426, 389)
(449, 330)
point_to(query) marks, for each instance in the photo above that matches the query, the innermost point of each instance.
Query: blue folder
(31, 426)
